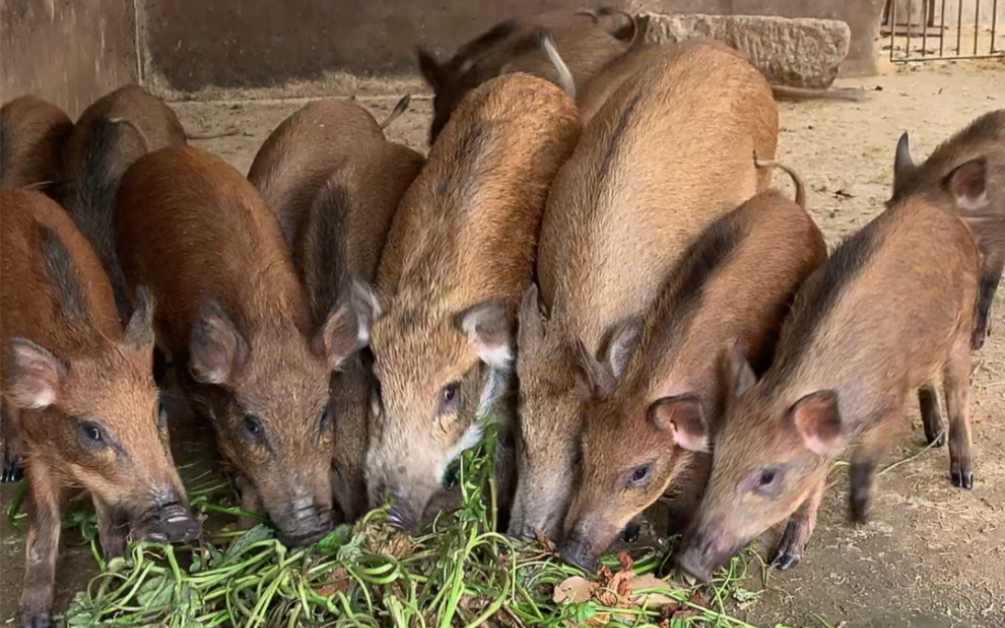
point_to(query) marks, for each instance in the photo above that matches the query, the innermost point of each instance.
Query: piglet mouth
(172, 523)
(401, 518)
(307, 524)
(702, 552)
(691, 564)
(304, 538)
(577, 552)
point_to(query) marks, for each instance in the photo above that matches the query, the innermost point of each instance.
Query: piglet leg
(42, 547)
(931, 417)
(797, 534)
(864, 459)
(956, 379)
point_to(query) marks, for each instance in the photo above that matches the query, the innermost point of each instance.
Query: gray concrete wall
(229, 48)
(72, 51)
(69, 52)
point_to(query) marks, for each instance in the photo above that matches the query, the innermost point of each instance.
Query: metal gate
(929, 30)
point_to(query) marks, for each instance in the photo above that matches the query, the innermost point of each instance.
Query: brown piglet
(671, 151)
(111, 134)
(566, 47)
(335, 184)
(79, 390)
(985, 138)
(660, 390)
(891, 309)
(32, 135)
(231, 310)
(458, 258)
(299, 155)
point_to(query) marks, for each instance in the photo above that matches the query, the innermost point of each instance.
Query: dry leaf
(607, 597)
(655, 600)
(599, 620)
(626, 561)
(339, 580)
(574, 589)
(605, 575)
(700, 598)
(544, 541)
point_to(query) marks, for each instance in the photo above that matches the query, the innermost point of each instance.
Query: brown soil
(932, 556)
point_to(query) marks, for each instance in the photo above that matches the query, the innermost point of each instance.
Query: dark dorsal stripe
(57, 264)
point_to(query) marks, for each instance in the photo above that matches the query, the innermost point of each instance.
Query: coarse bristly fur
(236, 319)
(78, 391)
(984, 137)
(586, 41)
(891, 311)
(32, 135)
(111, 134)
(335, 182)
(457, 261)
(659, 403)
(671, 150)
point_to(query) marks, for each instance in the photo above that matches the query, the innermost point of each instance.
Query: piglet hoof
(977, 342)
(790, 549)
(12, 470)
(858, 509)
(963, 479)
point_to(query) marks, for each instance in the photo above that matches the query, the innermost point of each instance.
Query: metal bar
(893, 27)
(942, 28)
(959, 29)
(977, 26)
(907, 46)
(998, 55)
(994, 24)
(924, 28)
(931, 13)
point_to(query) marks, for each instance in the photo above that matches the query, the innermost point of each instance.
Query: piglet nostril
(400, 518)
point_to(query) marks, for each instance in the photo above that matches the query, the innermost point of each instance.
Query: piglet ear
(34, 374)
(818, 421)
(684, 419)
(489, 326)
(347, 329)
(903, 165)
(140, 330)
(740, 375)
(531, 324)
(430, 68)
(217, 349)
(969, 185)
(606, 370)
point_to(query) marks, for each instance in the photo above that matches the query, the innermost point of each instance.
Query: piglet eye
(766, 482)
(252, 425)
(450, 392)
(639, 475)
(91, 434)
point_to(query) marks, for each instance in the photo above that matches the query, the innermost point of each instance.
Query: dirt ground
(932, 556)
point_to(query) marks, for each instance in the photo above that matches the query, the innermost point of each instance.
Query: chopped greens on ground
(458, 572)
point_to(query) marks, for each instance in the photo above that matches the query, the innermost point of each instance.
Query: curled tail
(140, 135)
(796, 179)
(565, 80)
(802, 94)
(400, 108)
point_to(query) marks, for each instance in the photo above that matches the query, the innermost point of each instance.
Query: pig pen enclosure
(931, 556)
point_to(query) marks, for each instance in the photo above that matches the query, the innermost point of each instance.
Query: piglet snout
(172, 524)
(703, 550)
